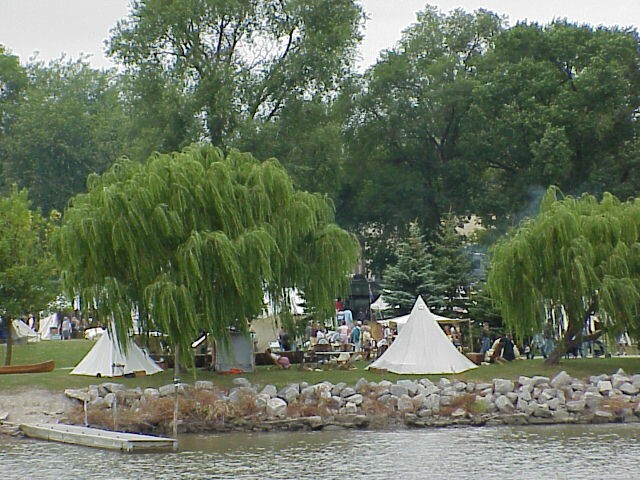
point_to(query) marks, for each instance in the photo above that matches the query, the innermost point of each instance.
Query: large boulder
(561, 379)
(276, 408)
(502, 386)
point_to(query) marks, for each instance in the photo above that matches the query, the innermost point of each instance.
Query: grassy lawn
(68, 353)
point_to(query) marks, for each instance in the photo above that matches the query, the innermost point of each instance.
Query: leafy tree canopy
(235, 61)
(194, 239)
(580, 253)
(27, 274)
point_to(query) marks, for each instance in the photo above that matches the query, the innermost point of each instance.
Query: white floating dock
(94, 437)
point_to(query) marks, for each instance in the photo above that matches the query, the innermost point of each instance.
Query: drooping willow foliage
(580, 253)
(193, 240)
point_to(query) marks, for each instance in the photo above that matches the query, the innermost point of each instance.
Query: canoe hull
(47, 366)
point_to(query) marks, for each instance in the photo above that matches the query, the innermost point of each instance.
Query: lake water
(532, 452)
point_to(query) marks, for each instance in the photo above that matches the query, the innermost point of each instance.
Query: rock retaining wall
(414, 403)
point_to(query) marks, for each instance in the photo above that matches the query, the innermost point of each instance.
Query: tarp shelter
(422, 347)
(46, 326)
(380, 305)
(22, 332)
(106, 359)
(236, 355)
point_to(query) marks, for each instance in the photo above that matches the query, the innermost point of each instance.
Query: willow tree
(193, 240)
(578, 253)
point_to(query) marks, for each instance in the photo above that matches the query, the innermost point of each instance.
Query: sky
(53, 27)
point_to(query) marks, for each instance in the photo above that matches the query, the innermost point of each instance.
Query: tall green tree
(404, 159)
(194, 239)
(412, 274)
(555, 104)
(578, 253)
(451, 264)
(27, 275)
(13, 82)
(69, 123)
(233, 64)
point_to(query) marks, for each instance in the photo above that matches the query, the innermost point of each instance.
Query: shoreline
(206, 408)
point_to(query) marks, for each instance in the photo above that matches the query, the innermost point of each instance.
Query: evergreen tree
(451, 266)
(412, 274)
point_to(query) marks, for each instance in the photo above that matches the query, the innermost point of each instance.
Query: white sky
(52, 27)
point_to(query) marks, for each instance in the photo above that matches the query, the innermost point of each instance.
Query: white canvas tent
(422, 347)
(46, 324)
(23, 333)
(380, 305)
(106, 359)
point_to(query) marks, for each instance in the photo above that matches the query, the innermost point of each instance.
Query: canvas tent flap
(46, 324)
(106, 359)
(422, 348)
(237, 354)
(22, 332)
(380, 305)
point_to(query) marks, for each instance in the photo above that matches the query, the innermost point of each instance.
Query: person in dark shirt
(508, 352)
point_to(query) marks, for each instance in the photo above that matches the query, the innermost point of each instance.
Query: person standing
(356, 336)
(66, 328)
(485, 339)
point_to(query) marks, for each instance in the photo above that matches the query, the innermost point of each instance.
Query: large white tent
(422, 347)
(106, 359)
(46, 324)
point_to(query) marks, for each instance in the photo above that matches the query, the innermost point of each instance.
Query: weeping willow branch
(195, 239)
(579, 253)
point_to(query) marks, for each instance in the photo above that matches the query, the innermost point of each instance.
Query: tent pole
(176, 382)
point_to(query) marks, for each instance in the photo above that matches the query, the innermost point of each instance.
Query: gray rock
(356, 399)
(405, 404)
(522, 380)
(270, 390)
(604, 386)
(446, 400)
(525, 395)
(554, 404)
(77, 394)
(459, 413)
(502, 386)
(483, 386)
(337, 388)
(635, 380)
(471, 387)
(361, 385)
(618, 380)
(289, 393)
(241, 382)
(512, 396)
(576, 406)
(432, 402)
(151, 392)
(398, 390)
(110, 399)
(309, 392)
(262, 399)
(504, 405)
(592, 400)
(347, 392)
(444, 382)
(602, 416)
(113, 387)
(542, 411)
(561, 379)
(410, 385)
(276, 408)
(204, 385)
(561, 416)
(350, 408)
(629, 388)
(538, 380)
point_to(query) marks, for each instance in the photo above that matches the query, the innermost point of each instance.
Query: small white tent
(422, 347)
(23, 333)
(106, 359)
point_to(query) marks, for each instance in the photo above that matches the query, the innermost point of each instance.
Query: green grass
(68, 353)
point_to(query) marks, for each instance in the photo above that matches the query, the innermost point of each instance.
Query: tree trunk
(573, 337)
(9, 352)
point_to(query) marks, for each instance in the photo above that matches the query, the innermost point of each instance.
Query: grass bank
(68, 353)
